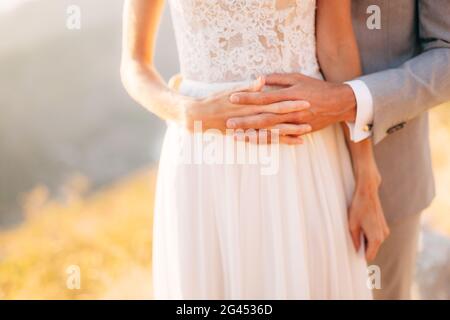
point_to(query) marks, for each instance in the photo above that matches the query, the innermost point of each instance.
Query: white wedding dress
(226, 230)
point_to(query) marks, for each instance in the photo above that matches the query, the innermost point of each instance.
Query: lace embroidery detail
(235, 40)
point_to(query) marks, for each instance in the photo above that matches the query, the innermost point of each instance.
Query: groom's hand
(330, 103)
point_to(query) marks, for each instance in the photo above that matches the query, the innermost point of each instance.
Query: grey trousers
(397, 259)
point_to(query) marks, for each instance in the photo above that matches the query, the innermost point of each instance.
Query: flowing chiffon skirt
(243, 230)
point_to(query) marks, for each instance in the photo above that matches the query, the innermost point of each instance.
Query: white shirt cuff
(362, 128)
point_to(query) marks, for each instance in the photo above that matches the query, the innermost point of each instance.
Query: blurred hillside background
(78, 159)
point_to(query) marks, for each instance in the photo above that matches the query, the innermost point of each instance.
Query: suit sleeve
(403, 93)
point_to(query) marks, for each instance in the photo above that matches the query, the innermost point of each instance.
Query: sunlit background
(78, 160)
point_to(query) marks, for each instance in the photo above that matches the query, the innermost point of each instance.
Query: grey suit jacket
(407, 69)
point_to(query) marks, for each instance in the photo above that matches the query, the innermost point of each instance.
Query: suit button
(396, 128)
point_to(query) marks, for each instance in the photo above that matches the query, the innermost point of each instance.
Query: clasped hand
(219, 111)
(299, 105)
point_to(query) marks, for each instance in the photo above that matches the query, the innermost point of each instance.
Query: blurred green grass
(108, 234)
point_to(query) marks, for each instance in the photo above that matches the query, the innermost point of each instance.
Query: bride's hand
(366, 215)
(214, 111)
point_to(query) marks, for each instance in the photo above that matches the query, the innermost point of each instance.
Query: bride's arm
(142, 81)
(339, 59)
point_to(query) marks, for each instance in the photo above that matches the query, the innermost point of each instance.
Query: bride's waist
(199, 89)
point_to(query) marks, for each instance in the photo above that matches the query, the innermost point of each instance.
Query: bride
(224, 229)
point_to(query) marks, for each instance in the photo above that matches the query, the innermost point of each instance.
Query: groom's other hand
(330, 103)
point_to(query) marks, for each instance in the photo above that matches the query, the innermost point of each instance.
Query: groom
(405, 49)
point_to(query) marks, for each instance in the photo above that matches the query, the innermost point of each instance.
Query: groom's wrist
(347, 103)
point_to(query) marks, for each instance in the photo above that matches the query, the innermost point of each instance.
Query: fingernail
(303, 105)
(231, 124)
(234, 98)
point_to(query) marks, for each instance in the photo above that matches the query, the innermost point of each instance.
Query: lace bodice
(235, 40)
